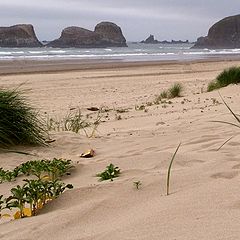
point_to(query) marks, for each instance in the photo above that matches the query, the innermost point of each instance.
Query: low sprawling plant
(19, 122)
(48, 169)
(170, 167)
(228, 76)
(110, 173)
(35, 194)
(7, 175)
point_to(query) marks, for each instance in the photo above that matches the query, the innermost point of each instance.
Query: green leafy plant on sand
(110, 173)
(35, 194)
(7, 175)
(170, 167)
(228, 76)
(137, 184)
(19, 122)
(52, 170)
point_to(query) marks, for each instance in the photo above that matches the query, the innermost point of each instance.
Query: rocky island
(152, 40)
(105, 34)
(21, 35)
(223, 34)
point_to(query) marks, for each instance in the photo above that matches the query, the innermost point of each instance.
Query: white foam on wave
(57, 51)
(5, 53)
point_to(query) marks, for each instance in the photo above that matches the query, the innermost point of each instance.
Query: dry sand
(204, 202)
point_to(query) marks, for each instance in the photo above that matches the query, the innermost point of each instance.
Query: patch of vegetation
(228, 76)
(213, 86)
(35, 194)
(19, 122)
(175, 90)
(42, 169)
(110, 173)
(164, 94)
(137, 184)
(74, 121)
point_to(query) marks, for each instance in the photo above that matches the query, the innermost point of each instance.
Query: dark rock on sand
(223, 34)
(21, 35)
(106, 34)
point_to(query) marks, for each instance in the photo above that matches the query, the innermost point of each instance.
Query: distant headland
(223, 34)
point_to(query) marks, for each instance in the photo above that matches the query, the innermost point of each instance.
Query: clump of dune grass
(228, 76)
(174, 91)
(20, 123)
(164, 94)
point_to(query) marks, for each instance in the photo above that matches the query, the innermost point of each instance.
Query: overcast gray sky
(166, 19)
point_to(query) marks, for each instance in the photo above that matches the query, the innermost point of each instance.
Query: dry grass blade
(225, 142)
(169, 168)
(235, 115)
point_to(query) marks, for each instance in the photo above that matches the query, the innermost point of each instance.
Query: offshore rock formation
(223, 34)
(106, 34)
(152, 40)
(21, 35)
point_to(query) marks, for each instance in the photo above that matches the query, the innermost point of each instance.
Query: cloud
(167, 19)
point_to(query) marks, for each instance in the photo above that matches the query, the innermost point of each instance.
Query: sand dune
(204, 202)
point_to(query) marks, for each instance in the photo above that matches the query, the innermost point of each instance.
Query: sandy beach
(204, 200)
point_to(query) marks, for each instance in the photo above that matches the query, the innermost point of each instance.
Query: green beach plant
(48, 169)
(35, 194)
(137, 184)
(110, 173)
(170, 167)
(175, 90)
(228, 76)
(19, 122)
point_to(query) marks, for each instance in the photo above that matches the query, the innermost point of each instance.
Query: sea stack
(150, 40)
(106, 34)
(223, 34)
(21, 35)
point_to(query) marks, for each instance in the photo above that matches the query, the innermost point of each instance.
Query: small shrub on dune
(19, 122)
(175, 90)
(228, 76)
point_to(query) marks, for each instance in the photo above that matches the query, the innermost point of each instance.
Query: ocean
(134, 52)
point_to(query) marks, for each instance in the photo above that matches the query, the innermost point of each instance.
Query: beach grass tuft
(20, 123)
(228, 76)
